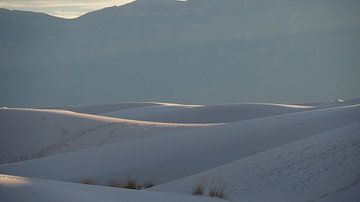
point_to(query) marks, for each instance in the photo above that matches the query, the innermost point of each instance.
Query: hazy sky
(61, 8)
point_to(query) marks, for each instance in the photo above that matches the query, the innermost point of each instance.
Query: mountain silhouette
(197, 51)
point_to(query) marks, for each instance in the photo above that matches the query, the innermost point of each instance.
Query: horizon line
(57, 10)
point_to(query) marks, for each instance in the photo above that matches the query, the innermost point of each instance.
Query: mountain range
(195, 51)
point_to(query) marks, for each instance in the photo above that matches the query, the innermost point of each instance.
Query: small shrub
(131, 184)
(198, 190)
(88, 181)
(217, 192)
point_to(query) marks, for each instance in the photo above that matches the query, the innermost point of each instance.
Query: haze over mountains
(198, 51)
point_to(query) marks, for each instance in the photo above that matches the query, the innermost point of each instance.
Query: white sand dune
(108, 108)
(224, 113)
(140, 112)
(34, 133)
(19, 189)
(325, 167)
(46, 132)
(167, 157)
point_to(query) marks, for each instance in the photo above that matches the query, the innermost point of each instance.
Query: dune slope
(116, 107)
(164, 158)
(224, 113)
(35, 133)
(18, 189)
(325, 167)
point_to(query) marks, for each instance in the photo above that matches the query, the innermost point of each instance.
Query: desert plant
(88, 181)
(131, 184)
(198, 190)
(217, 192)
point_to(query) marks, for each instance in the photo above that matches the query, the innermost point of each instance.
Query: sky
(60, 8)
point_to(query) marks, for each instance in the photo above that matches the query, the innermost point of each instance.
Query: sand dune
(43, 132)
(167, 157)
(224, 113)
(259, 152)
(108, 108)
(325, 167)
(46, 132)
(16, 189)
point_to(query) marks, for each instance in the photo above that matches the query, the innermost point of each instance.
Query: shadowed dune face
(329, 161)
(44, 132)
(207, 114)
(105, 108)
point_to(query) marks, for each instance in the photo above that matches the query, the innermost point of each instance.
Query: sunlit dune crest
(12, 181)
(110, 119)
(177, 104)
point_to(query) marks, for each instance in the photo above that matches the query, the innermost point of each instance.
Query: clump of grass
(198, 190)
(88, 181)
(217, 192)
(131, 184)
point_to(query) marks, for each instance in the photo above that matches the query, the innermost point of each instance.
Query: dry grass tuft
(217, 192)
(198, 190)
(131, 184)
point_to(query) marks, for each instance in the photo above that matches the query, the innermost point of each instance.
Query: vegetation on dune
(215, 189)
(130, 183)
(217, 192)
(198, 190)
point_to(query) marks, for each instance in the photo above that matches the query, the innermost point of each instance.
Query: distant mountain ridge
(192, 52)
